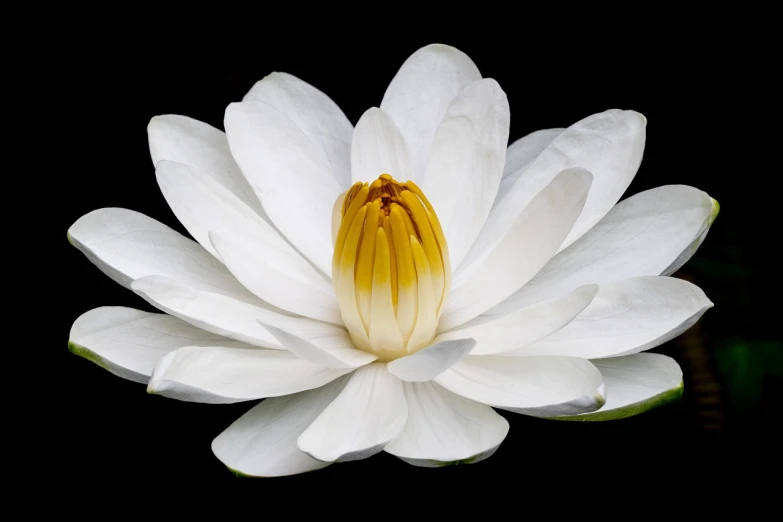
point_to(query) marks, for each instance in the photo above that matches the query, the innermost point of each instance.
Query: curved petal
(627, 317)
(332, 349)
(635, 384)
(420, 93)
(521, 154)
(529, 244)
(262, 442)
(129, 342)
(466, 163)
(608, 144)
(368, 414)
(218, 375)
(315, 114)
(127, 245)
(445, 429)
(428, 363)
(379, 148)
(288, 174)
(498, 334)
(285, 281)
(645, 235)
(537, 386)
(197, 144)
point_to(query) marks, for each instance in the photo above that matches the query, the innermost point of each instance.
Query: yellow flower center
(390, 267)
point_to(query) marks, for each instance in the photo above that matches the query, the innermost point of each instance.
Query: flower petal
(537, 386)
(498, 334)
(288, 174)
(262, 442)
(444, 428)
(649, 234)
(368, 414)
(627, 317)
(197, 144)
(129, 342)
(634, 384)
(219, 375)
(282, 279)
(314, 113)
(332, 349)
(608, 144)
(521, 154)
(466, 163)
(379, 148)
(127, 245)
(420, 93)
(529, 244)
(428, 363)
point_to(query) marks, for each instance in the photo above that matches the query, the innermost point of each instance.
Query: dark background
(731, 359)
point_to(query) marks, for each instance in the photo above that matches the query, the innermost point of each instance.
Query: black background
(684, 88)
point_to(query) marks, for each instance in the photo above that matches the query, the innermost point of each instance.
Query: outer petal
(609, 145)
(262, 442)
(368, 414)
(285, 281)
(466, 163)
(288, 174)
(217, 375)
(430, 362)
(537, 386)
(379, 148)
(444, 428)
(627, 317)
(635, 384)
(197, 144)
(129, 342)
(527, 247)
(645, 235)
(498, 334)
(521, 154)
(314, 113)
(127, 245)
(420, 93)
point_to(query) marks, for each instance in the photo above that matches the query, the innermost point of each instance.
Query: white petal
(608, 144)
(420, 93)
(634, 384)
(529, 244)
(285, 281)
(129, 342)
(368, 414)
(379, 148)
(202, 204)
(444, 428)
(288, 174)
(497, 334)
(538, 386)
(197, 144)
(521, 154)
(314, 113)
(262, 442)
(332, 349)
(627, 317)
(127, 245)
(466, 163)
(217, 375)
(644, 235)
(428, 363)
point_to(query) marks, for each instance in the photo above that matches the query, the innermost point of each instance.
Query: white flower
(380, 315)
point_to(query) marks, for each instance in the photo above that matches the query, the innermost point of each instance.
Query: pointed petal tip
(715, 211)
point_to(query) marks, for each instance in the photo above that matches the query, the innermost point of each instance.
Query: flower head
(384, 287)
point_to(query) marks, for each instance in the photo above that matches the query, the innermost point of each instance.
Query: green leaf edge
(631, 410)
(83, 351)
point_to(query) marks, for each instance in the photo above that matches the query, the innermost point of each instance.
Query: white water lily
(384, 287)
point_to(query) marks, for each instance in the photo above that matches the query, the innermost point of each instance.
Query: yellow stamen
(391, 268)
